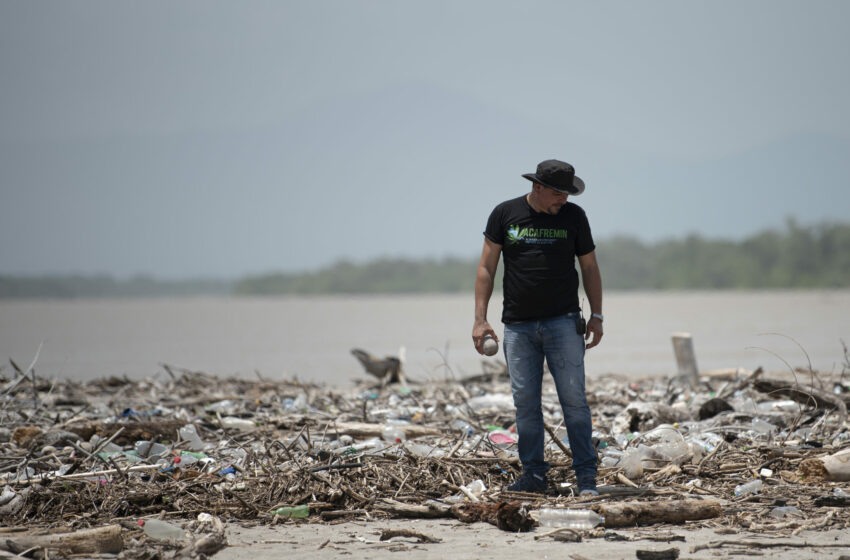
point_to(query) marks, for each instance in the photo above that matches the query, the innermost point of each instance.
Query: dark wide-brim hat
(557, 175)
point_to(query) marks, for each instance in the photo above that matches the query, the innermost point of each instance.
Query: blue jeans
(526, 345)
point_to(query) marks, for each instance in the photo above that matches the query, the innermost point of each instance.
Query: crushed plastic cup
(476, 488)
(502, 437)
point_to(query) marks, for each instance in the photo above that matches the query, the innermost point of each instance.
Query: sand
(360, 539)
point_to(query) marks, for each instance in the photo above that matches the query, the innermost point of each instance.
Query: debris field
(741, 452)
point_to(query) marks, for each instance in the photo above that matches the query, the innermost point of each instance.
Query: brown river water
(311, 337)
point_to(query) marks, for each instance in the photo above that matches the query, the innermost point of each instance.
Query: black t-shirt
(539, 250)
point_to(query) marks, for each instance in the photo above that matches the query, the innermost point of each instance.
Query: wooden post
(683, 347)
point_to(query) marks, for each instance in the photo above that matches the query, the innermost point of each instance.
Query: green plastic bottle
(292, 511)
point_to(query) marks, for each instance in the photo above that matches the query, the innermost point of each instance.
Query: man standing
(541, 235)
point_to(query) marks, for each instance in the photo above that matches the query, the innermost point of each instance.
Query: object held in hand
(490, 346)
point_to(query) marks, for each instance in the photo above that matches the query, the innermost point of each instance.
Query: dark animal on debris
(388, 369)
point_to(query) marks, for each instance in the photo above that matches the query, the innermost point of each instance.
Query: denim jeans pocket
(566, 345)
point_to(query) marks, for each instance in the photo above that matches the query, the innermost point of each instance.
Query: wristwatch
(598, 316)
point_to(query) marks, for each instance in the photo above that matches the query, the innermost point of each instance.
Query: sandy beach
(459, 541)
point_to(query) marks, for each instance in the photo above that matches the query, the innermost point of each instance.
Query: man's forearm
(592, 280)
(483, 291)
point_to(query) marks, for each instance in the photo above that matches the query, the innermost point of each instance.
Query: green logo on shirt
(537, 236)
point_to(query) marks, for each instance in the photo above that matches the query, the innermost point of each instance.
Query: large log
(99, 540)
(630, 514)
(803, 394)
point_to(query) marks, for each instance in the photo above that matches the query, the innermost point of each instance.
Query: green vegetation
(796, 257)
(77, 286)
(384, 276)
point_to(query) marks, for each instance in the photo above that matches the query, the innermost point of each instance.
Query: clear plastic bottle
(749, 487)
(393, 434)
(234, 423)
(763, 427)
(569, 518)
(292, 511)
(161, 530)
(463, 426)
(190, 433)
(150, 449)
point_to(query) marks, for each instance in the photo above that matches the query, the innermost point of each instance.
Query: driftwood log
(631, 514)
(100, 540)
(431, 510)
(803, 394)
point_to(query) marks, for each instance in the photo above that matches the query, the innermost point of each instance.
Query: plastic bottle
(422, 450)
(392, 434)
(146, 448)
(632, 463)
(763, 427)
(463, 426)
(190, 433)
(785, 511)
(750, 487)
(234, 423)
(292, 511)
(161, 530)
(569, 518)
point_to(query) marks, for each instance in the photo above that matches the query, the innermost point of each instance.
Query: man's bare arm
(484, 280)
(592, 280)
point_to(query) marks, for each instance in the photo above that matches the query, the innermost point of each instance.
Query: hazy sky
(224, 138)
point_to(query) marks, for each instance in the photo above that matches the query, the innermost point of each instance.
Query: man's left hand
(594, 328)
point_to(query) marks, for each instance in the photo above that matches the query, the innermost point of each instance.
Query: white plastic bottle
(569, 518)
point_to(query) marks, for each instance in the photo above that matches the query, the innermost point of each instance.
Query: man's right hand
(480, 330)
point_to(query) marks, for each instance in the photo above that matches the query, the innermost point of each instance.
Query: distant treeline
(796, 257)
(77, 286)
